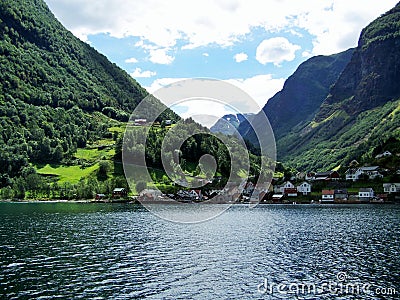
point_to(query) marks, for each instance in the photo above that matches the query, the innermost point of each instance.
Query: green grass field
(94, 154)
(71, 174)
(119, 129)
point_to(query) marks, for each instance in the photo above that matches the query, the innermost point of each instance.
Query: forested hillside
(56, 92)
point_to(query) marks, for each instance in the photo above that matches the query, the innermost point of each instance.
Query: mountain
(301, 96)
(56, 92)
(228, 124)
(361, 112)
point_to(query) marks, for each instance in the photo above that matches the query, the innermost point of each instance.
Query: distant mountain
(361, 112)
(56, 92)
(228, 124)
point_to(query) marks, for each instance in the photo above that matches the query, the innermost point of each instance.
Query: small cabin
(100, 196)
(119, 193)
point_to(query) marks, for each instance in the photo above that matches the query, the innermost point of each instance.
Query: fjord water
(73, 251)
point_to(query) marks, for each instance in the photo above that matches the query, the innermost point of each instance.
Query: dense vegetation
(229, 154)
(339, 140)
(57, 94)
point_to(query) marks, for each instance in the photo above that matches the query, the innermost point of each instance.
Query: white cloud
(131, 60)
(276, 50)
(160, 56)
(306, 54)
(160, 83)
(334, 24)
(206, 54)
(138, 73)
(260, 87)
(239, 57)
(205, 112)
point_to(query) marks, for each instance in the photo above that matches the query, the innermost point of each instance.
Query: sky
(253, 44)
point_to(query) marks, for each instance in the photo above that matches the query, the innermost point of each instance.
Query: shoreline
(83, 201)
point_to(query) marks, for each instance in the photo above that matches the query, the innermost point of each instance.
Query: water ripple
(124, 252)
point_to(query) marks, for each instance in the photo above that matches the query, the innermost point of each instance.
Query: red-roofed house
(328, 196)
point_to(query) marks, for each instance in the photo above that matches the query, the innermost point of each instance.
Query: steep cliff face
(301, 96)
(361, 111)
(372, 77)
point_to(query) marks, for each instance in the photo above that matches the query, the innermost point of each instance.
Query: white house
(328, 195)
(391, 188)
(304, 188)
(371, 172)
(286, 185)
(365, 194)
(352, 174)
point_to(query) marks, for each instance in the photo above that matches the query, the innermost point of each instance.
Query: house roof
(372, 168)
(322, 174)
(119, 190)
(328, 192)
(365, 190)
(391, 184)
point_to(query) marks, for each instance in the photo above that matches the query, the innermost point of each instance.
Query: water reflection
(123, 251)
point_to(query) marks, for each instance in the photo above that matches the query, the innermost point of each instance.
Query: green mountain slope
(56, 92)
(362, 110)
(302, 94)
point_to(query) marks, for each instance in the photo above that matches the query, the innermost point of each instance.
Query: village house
(368, 172)
(330, 175)
(328, 196)
(352, 174)
(290, 192)
(140, 122)
(100, 197)
(341, 195)
(119, 193)
(371, 172)
(365, 194)
(277, 198)
(281, 188)
(391, 188)
(304, 188)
